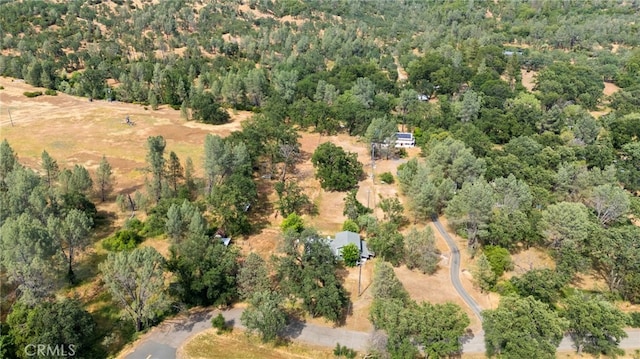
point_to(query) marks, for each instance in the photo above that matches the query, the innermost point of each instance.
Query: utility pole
(10, 119)
(360, 277)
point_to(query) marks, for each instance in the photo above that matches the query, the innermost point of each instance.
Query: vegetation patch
(32, 94)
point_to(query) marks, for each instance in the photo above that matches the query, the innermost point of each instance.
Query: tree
(336, 169)
(206, 271)
(27, 248)
(308, 271)
(595, 326)
(353, 208)
(265, 314)
(205, 109)
(184, 221)
(291, 198)
(50, 167)
(136, 281)
(175, 171)
(610, 203)
(381, 131)
(77, 180)
(62, 323)
(253, 276)
(615, 256)
(420, 250)
(470, 106)
(483, 274)
(8, 159)
(512, 194)
(565, 227)
(156, 160)
(72, 234)
(104, 179)
(284, 83)
(293, 222)
(471, 209)
(499, 259)
(388, 243)
(386, 284)
(630, 166)
(350, 254)
(522, 328)
(392, 209)
(544, 285)
(439, 328)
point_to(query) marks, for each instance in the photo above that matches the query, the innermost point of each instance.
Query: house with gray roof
(346, 237)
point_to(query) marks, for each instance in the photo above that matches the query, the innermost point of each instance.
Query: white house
(405, 139)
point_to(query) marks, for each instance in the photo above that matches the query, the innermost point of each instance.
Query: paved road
(455, 269)
(163, 341)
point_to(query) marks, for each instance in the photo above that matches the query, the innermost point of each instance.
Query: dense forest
(554, 164)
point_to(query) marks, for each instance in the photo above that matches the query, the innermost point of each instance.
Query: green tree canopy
(595, 325)
(522, 328)
(336, 169)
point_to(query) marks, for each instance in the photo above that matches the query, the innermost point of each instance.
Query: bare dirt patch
(528, 79)
(610, 88)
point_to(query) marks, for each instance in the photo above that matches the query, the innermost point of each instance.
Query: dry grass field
(237, 345)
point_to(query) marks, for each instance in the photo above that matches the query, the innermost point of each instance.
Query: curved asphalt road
(455, 269)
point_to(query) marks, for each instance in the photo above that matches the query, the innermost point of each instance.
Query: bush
(123, 240)
(351, 226)
(220, 323)
(292, 222)
(32, 94)
(350, 255)
(134, 224)
(343, 351)
(1, 87)
(387, 178)
(50, 92)
(634, 319)
(499, 259)
(153, 226)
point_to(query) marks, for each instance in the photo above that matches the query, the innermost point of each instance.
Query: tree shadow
(293, 329)
(262, 210)
(467, 336)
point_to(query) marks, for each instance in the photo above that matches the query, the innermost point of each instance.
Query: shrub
(50, 92)
(634, 319)
(292, 222)
(351, 226)
(1, 87)
(153, 226)
(499, 259)
(387, 178)
(350, 255)
(220, 323)
(134, 224)
(343, 351)
(32, 94)
(121, 241)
